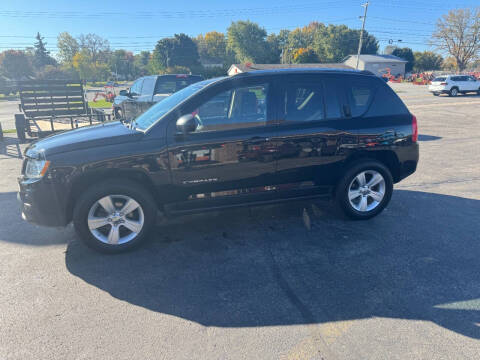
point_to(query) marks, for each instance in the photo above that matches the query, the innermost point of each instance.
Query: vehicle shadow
(262, 267)
(13, 229)
(10, 148)
(423, 137)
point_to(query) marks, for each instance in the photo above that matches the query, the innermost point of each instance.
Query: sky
(137, 25)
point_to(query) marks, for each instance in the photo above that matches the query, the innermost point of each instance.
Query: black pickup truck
(147, 91)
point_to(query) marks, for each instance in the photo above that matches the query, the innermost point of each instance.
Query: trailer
(50, 106)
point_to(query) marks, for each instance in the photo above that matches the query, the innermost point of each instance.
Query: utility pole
(361, 34)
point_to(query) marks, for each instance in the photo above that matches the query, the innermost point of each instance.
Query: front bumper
(40, 204)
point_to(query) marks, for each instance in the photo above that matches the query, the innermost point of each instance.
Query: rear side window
(386, 103)
(359, 96)
(166, 86)
(303, 102)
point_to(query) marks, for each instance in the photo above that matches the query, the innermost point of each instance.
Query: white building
(378, 64)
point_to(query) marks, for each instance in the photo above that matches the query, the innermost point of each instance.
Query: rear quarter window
(386, 102)
(360, 93)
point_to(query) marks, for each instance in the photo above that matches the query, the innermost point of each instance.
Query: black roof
(303, 70)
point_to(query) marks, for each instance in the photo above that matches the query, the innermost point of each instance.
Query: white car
(454, 84)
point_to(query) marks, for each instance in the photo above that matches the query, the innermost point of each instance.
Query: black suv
(254, 138)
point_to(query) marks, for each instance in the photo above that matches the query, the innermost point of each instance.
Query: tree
(458, 34)
(95, 46)
(122, 63)
(67, 47)
(41, 56)
(15, 64)
(141, 62)
(50, 72)
(180, 50)
(247, 40)
(212, 46)
(407, 55)
(304, 56)
(426, 61)
(450, 64)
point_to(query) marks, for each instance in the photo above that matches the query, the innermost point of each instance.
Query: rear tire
(364, 190)
(105, 223)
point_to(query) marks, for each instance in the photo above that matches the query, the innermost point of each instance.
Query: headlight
(36, 169)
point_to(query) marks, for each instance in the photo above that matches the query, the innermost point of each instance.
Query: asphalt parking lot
(257, 283)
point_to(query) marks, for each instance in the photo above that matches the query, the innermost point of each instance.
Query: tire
(350, 185)
(117, 113)
(436, 94)
(478, 92)
(453, 92)
(102, 237)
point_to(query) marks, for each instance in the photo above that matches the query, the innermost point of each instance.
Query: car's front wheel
(453, 92)
(114, 216)
(364, 190)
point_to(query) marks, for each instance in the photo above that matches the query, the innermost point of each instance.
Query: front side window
(160, 109)
(241, 107)
(148, 85)
(136, 87)
(303, 102)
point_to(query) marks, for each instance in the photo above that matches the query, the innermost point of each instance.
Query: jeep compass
(254, 138)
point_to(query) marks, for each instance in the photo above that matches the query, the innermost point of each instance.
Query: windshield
(156, 112)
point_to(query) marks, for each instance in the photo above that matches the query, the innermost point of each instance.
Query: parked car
(454, 85)
(147, 91)
(254, 138)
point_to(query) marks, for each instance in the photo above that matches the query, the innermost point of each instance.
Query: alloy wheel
(115, 219)
(366, 191)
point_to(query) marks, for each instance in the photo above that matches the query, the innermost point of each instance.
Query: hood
(86, 137)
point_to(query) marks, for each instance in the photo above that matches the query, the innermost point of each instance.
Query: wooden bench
(49, 106)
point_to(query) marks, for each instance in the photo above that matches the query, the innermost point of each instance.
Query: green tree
(67, 47)
(407, 55)
(122, 62)
(41, 56)
(304, 56)
(141, 62)
(458, 34)
(334, 42)
(247, 40)
(180, 50)
(427, 60)
(15, 64)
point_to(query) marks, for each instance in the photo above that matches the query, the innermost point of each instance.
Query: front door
(229, 152)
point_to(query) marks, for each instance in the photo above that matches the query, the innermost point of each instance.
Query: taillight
(414, 129)
(444, 83)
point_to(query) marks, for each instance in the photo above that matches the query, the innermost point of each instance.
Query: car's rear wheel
(453, 92)
(114, 216)
(364, 190)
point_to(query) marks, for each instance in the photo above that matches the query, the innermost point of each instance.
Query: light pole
(361, 34)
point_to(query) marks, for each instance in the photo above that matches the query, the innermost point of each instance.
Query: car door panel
(233, 159)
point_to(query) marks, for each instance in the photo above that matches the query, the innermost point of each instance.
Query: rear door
(309, 130)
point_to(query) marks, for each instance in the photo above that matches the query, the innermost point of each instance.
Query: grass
(102, 103)
(9, 131)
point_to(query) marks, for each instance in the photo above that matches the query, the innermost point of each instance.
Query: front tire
(364, 190)
(453, 92)
(114, 216)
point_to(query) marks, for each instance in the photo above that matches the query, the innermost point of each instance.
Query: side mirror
(186, 124)
(123, 92)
